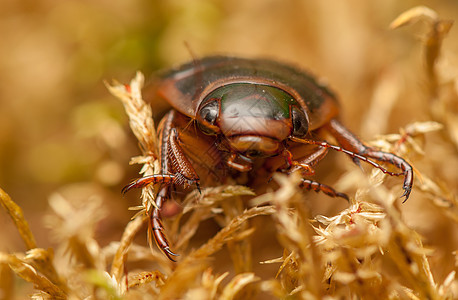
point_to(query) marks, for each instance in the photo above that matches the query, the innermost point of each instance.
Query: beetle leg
(184, 171)
(173, 160)
(350, 153)
(155, 228)
(147, 180)
(353, 147)
(349, 141)
(307, 163)
(176, 169)
(319, 187)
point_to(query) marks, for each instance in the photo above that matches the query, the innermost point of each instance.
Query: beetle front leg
(176, 170)
(350, 142)
(155, 228)
(147, 180)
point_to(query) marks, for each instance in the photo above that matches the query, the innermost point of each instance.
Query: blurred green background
(60, 129)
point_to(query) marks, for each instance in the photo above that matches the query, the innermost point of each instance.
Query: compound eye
(300, 122)
(209, 112)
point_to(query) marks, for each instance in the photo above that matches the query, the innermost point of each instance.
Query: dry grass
(369, 250)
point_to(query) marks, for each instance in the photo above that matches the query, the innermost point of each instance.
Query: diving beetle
(246, 119)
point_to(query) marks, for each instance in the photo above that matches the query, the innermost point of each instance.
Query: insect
(246, 119)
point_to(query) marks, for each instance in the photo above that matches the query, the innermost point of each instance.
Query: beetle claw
(343, 195)
(169, 254)
(128, 187)
(406, 193)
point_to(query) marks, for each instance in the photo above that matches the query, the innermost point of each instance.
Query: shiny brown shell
(185, 87)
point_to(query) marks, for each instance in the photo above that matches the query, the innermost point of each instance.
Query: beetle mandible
(255, 116)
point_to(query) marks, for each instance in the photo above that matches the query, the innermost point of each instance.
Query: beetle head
(255, 119)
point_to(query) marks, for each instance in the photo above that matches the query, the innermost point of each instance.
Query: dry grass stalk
(203, 206)
(27, 272)
(142, 125)
(442, 96)
(227, 233)
(120, 258)
(303, 273)
(73, 226)
(441, 90)
(18, 218)
(36, 266)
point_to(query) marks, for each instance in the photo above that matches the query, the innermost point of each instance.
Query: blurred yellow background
(60, 129)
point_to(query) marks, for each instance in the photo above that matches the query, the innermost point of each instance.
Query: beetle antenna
(191, 52)
(191, 122)
(198, 70)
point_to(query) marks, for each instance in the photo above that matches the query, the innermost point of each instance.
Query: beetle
(233, 116)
